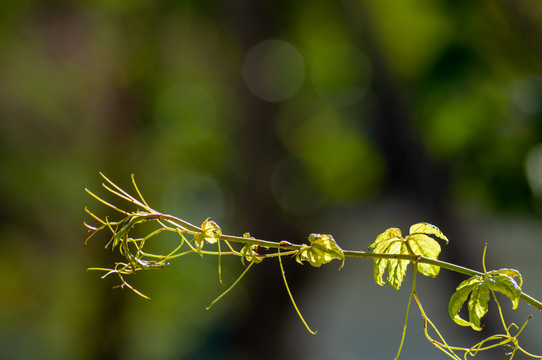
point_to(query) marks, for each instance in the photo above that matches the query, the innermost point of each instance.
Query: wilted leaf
(322, 250)
(478, 287)
(249, 252)
(510, 273)
(502, 280)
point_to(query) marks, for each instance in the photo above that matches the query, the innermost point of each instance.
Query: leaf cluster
(477, 289)
(322, 250)
(418, 243)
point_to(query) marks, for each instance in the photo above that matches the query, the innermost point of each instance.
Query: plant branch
(365, 254)
(391, 253)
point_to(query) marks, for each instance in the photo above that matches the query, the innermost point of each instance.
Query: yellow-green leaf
(396, 268)
(456, 303)
(509, 272)
(322, 250)
(211, 231)
(507, 286)
(392, 242)
(478, 288)
(389, 234)
(478, 304)
(199, 241)
(428, 229)
(249, 252)
(472, 280)
(426, 246)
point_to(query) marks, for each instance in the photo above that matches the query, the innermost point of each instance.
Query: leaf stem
(231, 287)
(407, 312)
(291, 296)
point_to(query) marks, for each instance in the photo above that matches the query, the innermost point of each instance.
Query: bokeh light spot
(526, 93)
(274, 70)
(339, 159)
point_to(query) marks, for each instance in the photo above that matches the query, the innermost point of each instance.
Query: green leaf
(249, 252)
(389, 234)
(422, 244)
(390, 242)
(396, 268)
(426, 246)
(456, 303)
(418, 242)
(301, 256)
(428, 229)
(478, 287)
(510, 273)
(506, 285)
(211, 231)
(322, 250)
(199, 241)
(478, 304)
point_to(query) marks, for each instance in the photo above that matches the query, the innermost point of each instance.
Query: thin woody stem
(364, 254)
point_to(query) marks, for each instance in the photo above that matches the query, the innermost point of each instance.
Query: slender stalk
(359, 254)
(231, 287)
(219, 263)
(291, 296)
(364, 254)
(413, 291)
(263, 243)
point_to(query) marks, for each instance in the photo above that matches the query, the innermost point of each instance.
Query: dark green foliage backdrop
(278, 118)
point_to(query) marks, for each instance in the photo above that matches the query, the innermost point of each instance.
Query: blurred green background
(280, 118)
